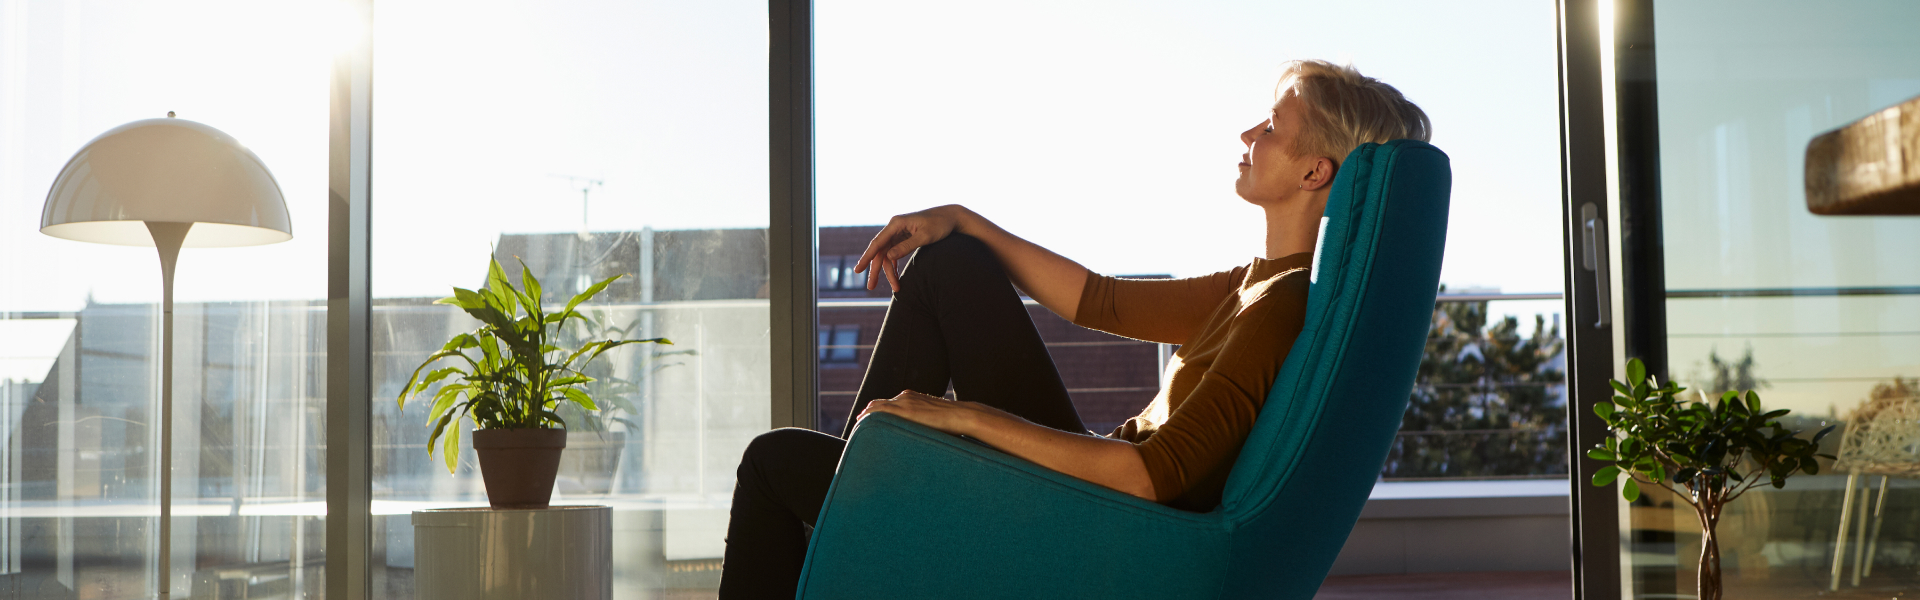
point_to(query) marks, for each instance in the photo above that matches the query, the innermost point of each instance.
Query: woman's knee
(771, 444)
(958, 253)
(775, 447)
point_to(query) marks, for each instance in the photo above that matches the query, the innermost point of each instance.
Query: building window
(838, 345)
(836, 272)
(830, 275)
(849, 280)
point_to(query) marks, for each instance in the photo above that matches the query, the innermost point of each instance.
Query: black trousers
(957, 320)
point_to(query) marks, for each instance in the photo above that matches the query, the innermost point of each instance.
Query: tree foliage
(1483, 403)
(1708, 454)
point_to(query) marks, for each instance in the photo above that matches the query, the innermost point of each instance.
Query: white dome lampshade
(166, 170)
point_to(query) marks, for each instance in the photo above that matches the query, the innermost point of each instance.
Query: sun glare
(334, 26)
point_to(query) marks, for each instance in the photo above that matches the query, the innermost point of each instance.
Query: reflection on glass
(585, 140)
(1820, 315)
(80, 327)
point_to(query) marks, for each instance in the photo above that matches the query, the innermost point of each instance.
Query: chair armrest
(914, 512)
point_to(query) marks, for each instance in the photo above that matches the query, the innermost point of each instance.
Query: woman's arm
(1115, 464)
(1051, 279)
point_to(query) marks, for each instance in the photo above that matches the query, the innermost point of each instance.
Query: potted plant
(1707, 454)
(507, 377)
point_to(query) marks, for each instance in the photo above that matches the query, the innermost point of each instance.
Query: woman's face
(1267, 172)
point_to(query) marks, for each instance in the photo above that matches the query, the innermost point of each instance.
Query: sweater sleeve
(1189, 456)
(1167, 311)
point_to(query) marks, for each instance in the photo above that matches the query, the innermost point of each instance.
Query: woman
(957, 320)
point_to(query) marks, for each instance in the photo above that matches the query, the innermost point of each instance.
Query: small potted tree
(1707, 454)
(507, 377)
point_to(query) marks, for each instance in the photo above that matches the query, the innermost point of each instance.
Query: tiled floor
(1506, 585)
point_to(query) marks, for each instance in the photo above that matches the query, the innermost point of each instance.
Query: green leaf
(438, 428)
(452, 448)
(589, 293)
(1636, 372)
(1822, 434)
(1620, 387)
(444, 400)
(1810, 465)
(1606, 475)
(1604, 409)
(440, 374)
(412, 387)
(530, 284)
(580, 398)
(1630, 491)
(463, 298)
(1601, 454)
(461, 342)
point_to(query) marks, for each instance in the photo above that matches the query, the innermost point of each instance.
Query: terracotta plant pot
(518, 465)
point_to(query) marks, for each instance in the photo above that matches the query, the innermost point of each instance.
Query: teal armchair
(916, 513)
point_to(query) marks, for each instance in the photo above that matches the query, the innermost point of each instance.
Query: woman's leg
(782, 482)
(957, 319)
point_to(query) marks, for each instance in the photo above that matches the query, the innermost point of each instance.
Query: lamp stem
(167, 238)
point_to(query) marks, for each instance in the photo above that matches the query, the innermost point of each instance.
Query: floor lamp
(167, 183)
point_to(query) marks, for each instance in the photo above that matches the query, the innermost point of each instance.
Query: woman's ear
(1320, 175)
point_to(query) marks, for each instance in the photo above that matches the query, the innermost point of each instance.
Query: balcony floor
(1500, 585)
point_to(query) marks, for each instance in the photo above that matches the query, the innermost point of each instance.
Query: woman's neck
(1293, 225)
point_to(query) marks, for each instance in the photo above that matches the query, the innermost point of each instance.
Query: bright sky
(1105, 130)
(1109, 130)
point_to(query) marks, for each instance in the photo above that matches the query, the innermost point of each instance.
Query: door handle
(1595, 241)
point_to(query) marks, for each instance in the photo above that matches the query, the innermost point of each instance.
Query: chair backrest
(1312, 458)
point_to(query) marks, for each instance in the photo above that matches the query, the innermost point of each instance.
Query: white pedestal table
(555, 553)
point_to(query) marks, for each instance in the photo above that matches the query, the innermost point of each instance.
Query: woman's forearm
(1112, 463)
(1053, 280)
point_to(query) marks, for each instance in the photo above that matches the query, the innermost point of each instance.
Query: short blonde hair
(1343, 109)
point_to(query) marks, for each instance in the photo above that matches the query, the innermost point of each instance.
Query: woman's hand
(950, 416)
(1109, 462)
(902, 235)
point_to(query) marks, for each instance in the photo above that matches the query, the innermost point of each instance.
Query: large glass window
(587, 140)
(1109, 134)
(80, 323)
(1821, 315)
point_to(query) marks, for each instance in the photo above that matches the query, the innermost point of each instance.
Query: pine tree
(1485, 402)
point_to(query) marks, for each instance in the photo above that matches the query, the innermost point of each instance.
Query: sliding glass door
(1750, 291)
